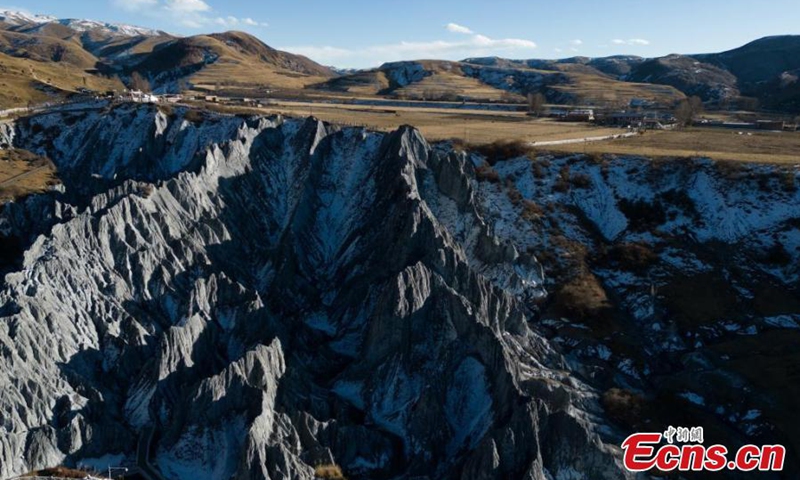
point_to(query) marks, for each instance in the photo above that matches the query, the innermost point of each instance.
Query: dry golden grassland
(23, 81)
(244, 76)
(477, 127)
(59, 472)
(23, 173)
(442, 84)
(600, 90)
(474, 126)
(329, 472)
(718, 144)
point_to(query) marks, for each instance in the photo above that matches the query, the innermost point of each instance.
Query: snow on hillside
(17, 18)
(119, 29)
(78, 25)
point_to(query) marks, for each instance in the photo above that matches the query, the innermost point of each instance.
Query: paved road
(584, 139)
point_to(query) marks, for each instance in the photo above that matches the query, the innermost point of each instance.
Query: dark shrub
(681, 200)
(633, 257)
(485, 173)
(580, 180)
(789, 181)
(643, 216)
(563, 182)
(531, 210)
(195, 116)
(777, 255)
(503, 150)
(624, 407)
(581, 298)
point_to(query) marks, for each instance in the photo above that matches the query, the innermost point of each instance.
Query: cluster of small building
(642, 120)
(244, 101)
(770, 125)
(142, 97)
(658, 120)
(629, 119)
(138, 96)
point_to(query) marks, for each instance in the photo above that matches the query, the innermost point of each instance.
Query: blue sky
(361, 33)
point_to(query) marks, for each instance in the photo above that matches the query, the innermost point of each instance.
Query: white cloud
(456, 28)
(233, 22)
(576, 42)
(187, 6)
(135, 5)
(226, 22)
(471, 45)
(631, 42)
(249, 21)
(195, 14)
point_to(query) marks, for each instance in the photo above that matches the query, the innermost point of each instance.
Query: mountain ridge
(106, 50)
(761, 70)
(752, 70)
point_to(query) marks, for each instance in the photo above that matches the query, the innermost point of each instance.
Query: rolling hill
(765, 69)
(49, 58)
(228, 61)
(24, 81)
(496, 79)
(106, 55)
(688, 75)
(759, 61)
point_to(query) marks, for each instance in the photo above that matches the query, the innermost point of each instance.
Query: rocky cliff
(265, 295)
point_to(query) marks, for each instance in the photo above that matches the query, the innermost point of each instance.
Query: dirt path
(583, 140)
(16, 178)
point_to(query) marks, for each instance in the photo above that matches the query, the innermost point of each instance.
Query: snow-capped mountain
(13, 17)
(20, 18)
(111, 29)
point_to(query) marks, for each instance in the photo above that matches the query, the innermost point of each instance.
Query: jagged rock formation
(674, 285)
(268, 294)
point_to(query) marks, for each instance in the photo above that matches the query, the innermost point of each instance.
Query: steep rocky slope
(674, 284)
(267, 295)
(688, 75)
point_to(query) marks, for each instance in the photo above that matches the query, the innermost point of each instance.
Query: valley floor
(486, 126)
(714, 143)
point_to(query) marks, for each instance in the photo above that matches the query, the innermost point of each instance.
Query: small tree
(138, 82)
(687, 110)
(697, 106)
(749, 104)
(683, 113)
(535, 103)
